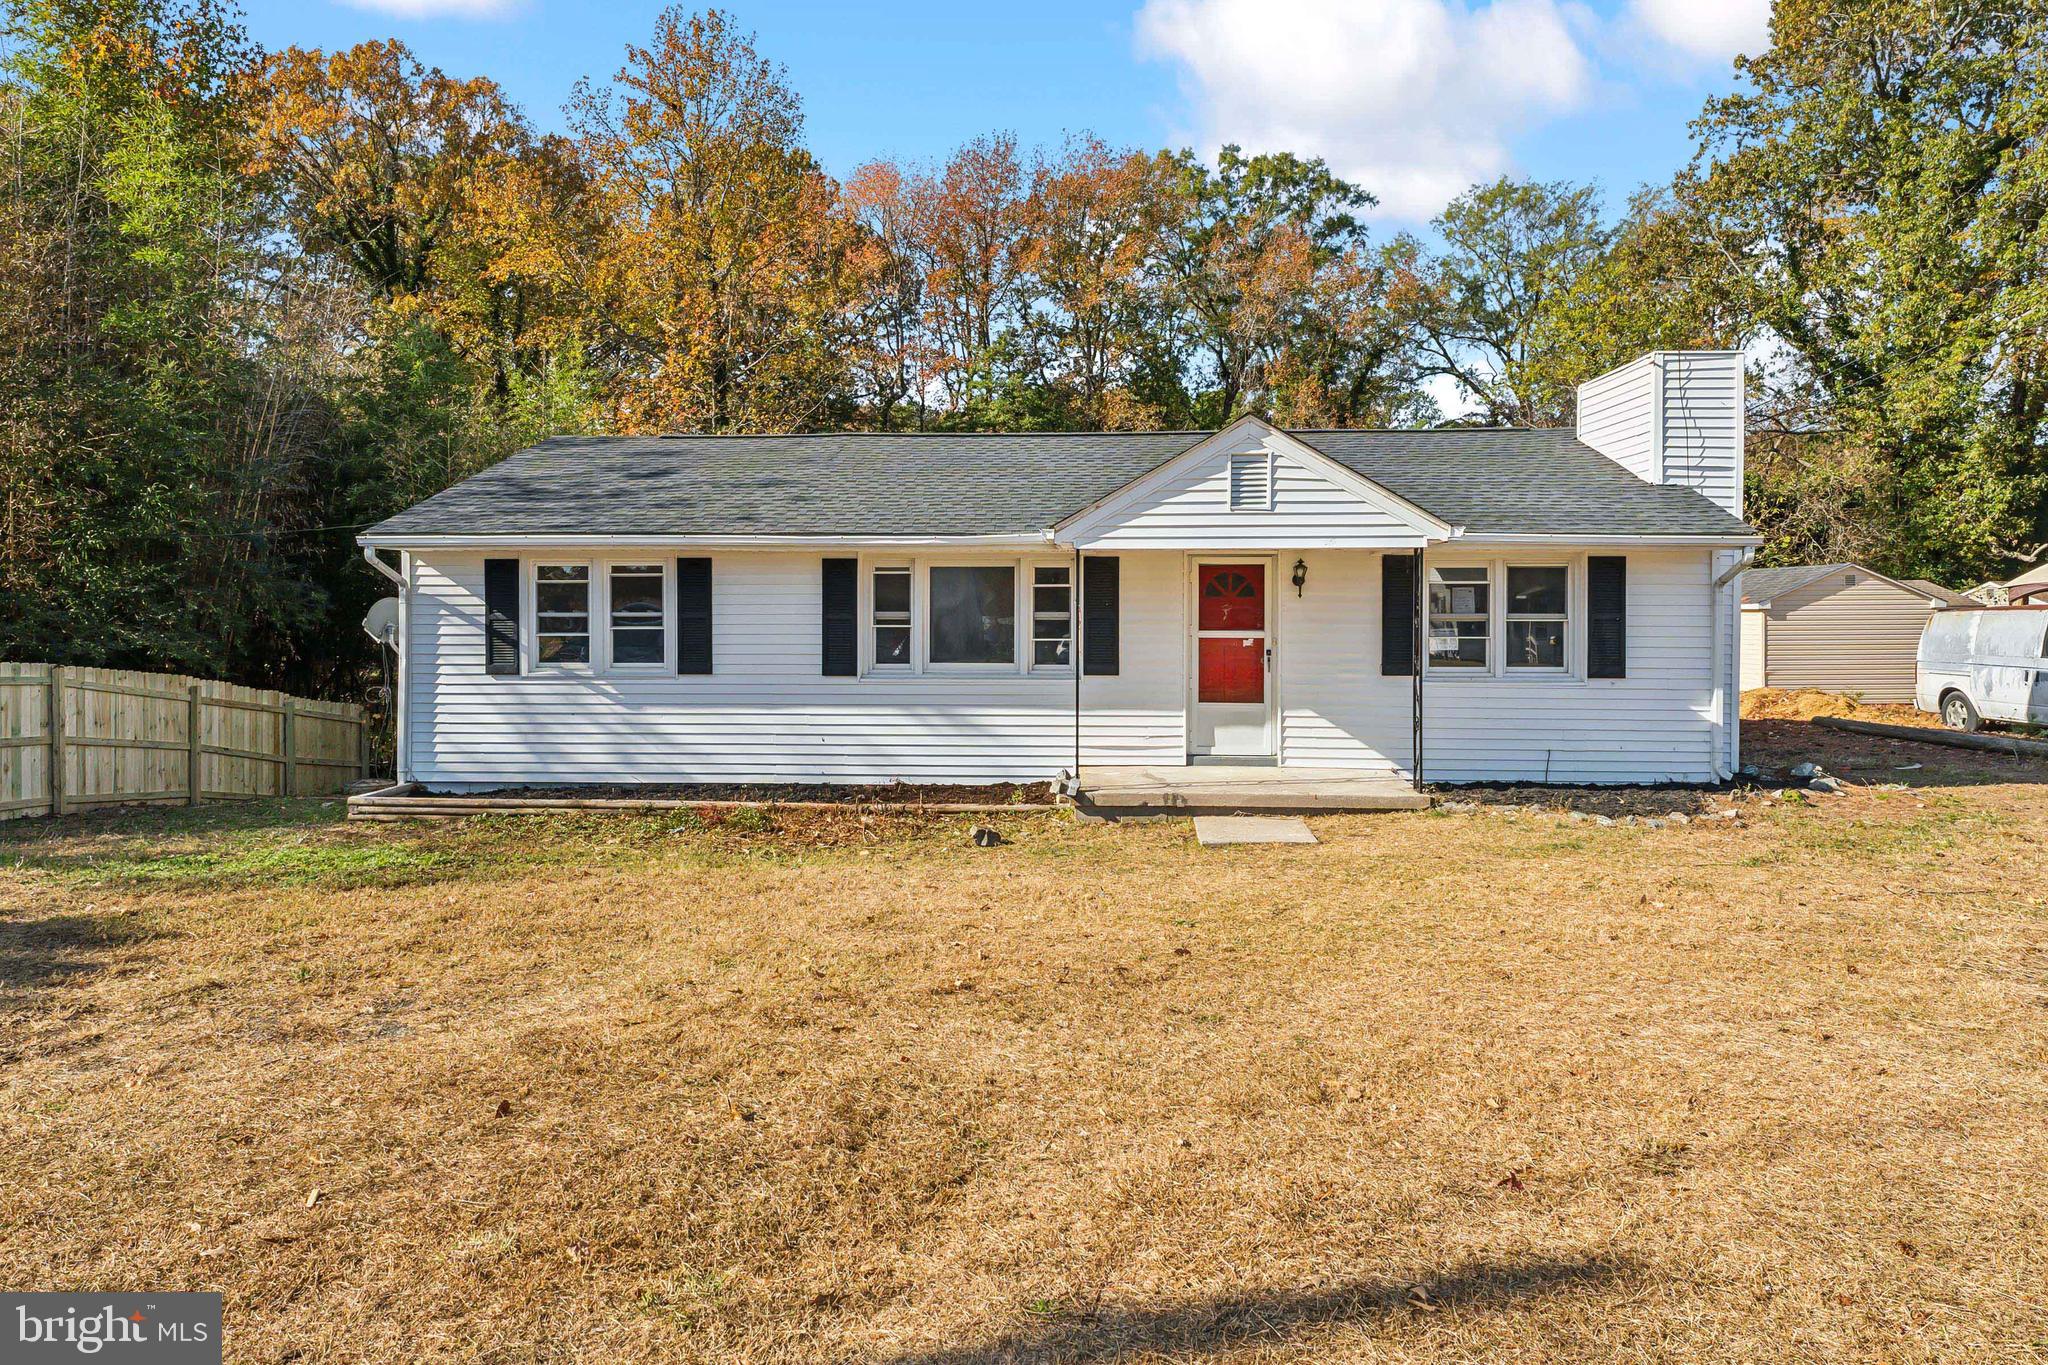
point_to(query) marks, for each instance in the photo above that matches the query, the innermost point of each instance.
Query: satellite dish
(381, 624)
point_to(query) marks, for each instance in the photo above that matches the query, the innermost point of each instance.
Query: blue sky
(1412, 98)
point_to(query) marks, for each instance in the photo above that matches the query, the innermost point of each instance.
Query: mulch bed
(1617, 802)
(875, 794)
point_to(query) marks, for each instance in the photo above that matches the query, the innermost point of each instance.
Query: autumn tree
(376, 152)
(889, 354)
(1091, 311)
(969, 232)
(1240, 249)
(716, 272)
(1351, 361)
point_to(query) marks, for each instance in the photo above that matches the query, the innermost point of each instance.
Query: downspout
(1074, 647)
(400, 749)
(1421, 642)
(1726, 654)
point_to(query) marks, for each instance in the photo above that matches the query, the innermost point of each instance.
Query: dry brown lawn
(1478, 1086)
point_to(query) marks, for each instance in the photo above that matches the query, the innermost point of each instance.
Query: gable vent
(1251, 482)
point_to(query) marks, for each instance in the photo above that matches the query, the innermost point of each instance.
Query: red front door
(1230, 614)
(1232, 660)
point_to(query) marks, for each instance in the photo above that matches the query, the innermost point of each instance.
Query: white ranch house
(865, 608)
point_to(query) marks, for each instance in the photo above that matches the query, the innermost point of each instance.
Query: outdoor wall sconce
(1300, 575)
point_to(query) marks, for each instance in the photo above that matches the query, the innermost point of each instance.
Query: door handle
(1269, 658)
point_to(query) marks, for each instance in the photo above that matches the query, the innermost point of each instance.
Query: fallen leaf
(504, 1109)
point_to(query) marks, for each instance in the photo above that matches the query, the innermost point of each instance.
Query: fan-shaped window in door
(1233, 597)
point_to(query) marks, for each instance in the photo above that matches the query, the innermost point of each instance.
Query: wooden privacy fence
(75, 738)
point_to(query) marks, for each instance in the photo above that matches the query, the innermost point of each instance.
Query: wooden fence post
(291, 747)
(362, 746)
(194, 754)
(56, 739)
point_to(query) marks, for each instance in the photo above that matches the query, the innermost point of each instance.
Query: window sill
(957, 674)
(1518, 675)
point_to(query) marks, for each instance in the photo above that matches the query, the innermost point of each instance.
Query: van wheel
(1958, 714)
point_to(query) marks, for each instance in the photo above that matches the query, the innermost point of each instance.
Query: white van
(1985, 664)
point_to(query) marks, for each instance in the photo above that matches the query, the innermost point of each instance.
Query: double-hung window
(637, 602)
(1538, 606)
(1015, 616)
(892, 616)
(1460, 617)
(1500, 618)
(1052, 616)
(561, 613)
(601, 616)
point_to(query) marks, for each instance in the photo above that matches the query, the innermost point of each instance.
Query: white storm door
(1232, 706)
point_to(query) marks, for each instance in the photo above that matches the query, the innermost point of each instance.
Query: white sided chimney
(1671, 417)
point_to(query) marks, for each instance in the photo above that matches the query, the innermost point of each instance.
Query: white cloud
(1711, 30)
(438, 9)
(1413, 99)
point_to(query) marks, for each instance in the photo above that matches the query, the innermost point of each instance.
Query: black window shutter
(1397, 615)
(1101, 637)
(501, 616)
(842, 612)
(693, 615)
(1607, 608)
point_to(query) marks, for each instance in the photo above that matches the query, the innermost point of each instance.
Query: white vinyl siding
(1837, 637)
(767, 714)
(1672, 417)
(1196, 510)
(1336, 711)
(1703, 419)
(1617, 415)
(1138, 716)
(1658, 724)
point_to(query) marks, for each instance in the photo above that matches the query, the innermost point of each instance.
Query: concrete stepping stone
(1211, 830)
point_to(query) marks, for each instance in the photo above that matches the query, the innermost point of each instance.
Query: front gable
(1250, 486)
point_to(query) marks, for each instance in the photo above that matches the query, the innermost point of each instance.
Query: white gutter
(376, 561)
(779, 542)
(1649, 542)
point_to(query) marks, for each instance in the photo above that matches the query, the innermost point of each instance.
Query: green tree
(1665, 282)
(1512, 251)
(152, 467)
(1884, 182)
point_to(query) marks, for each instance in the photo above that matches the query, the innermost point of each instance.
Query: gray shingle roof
(1761, 585)
(864, 484)
(1933, 589)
